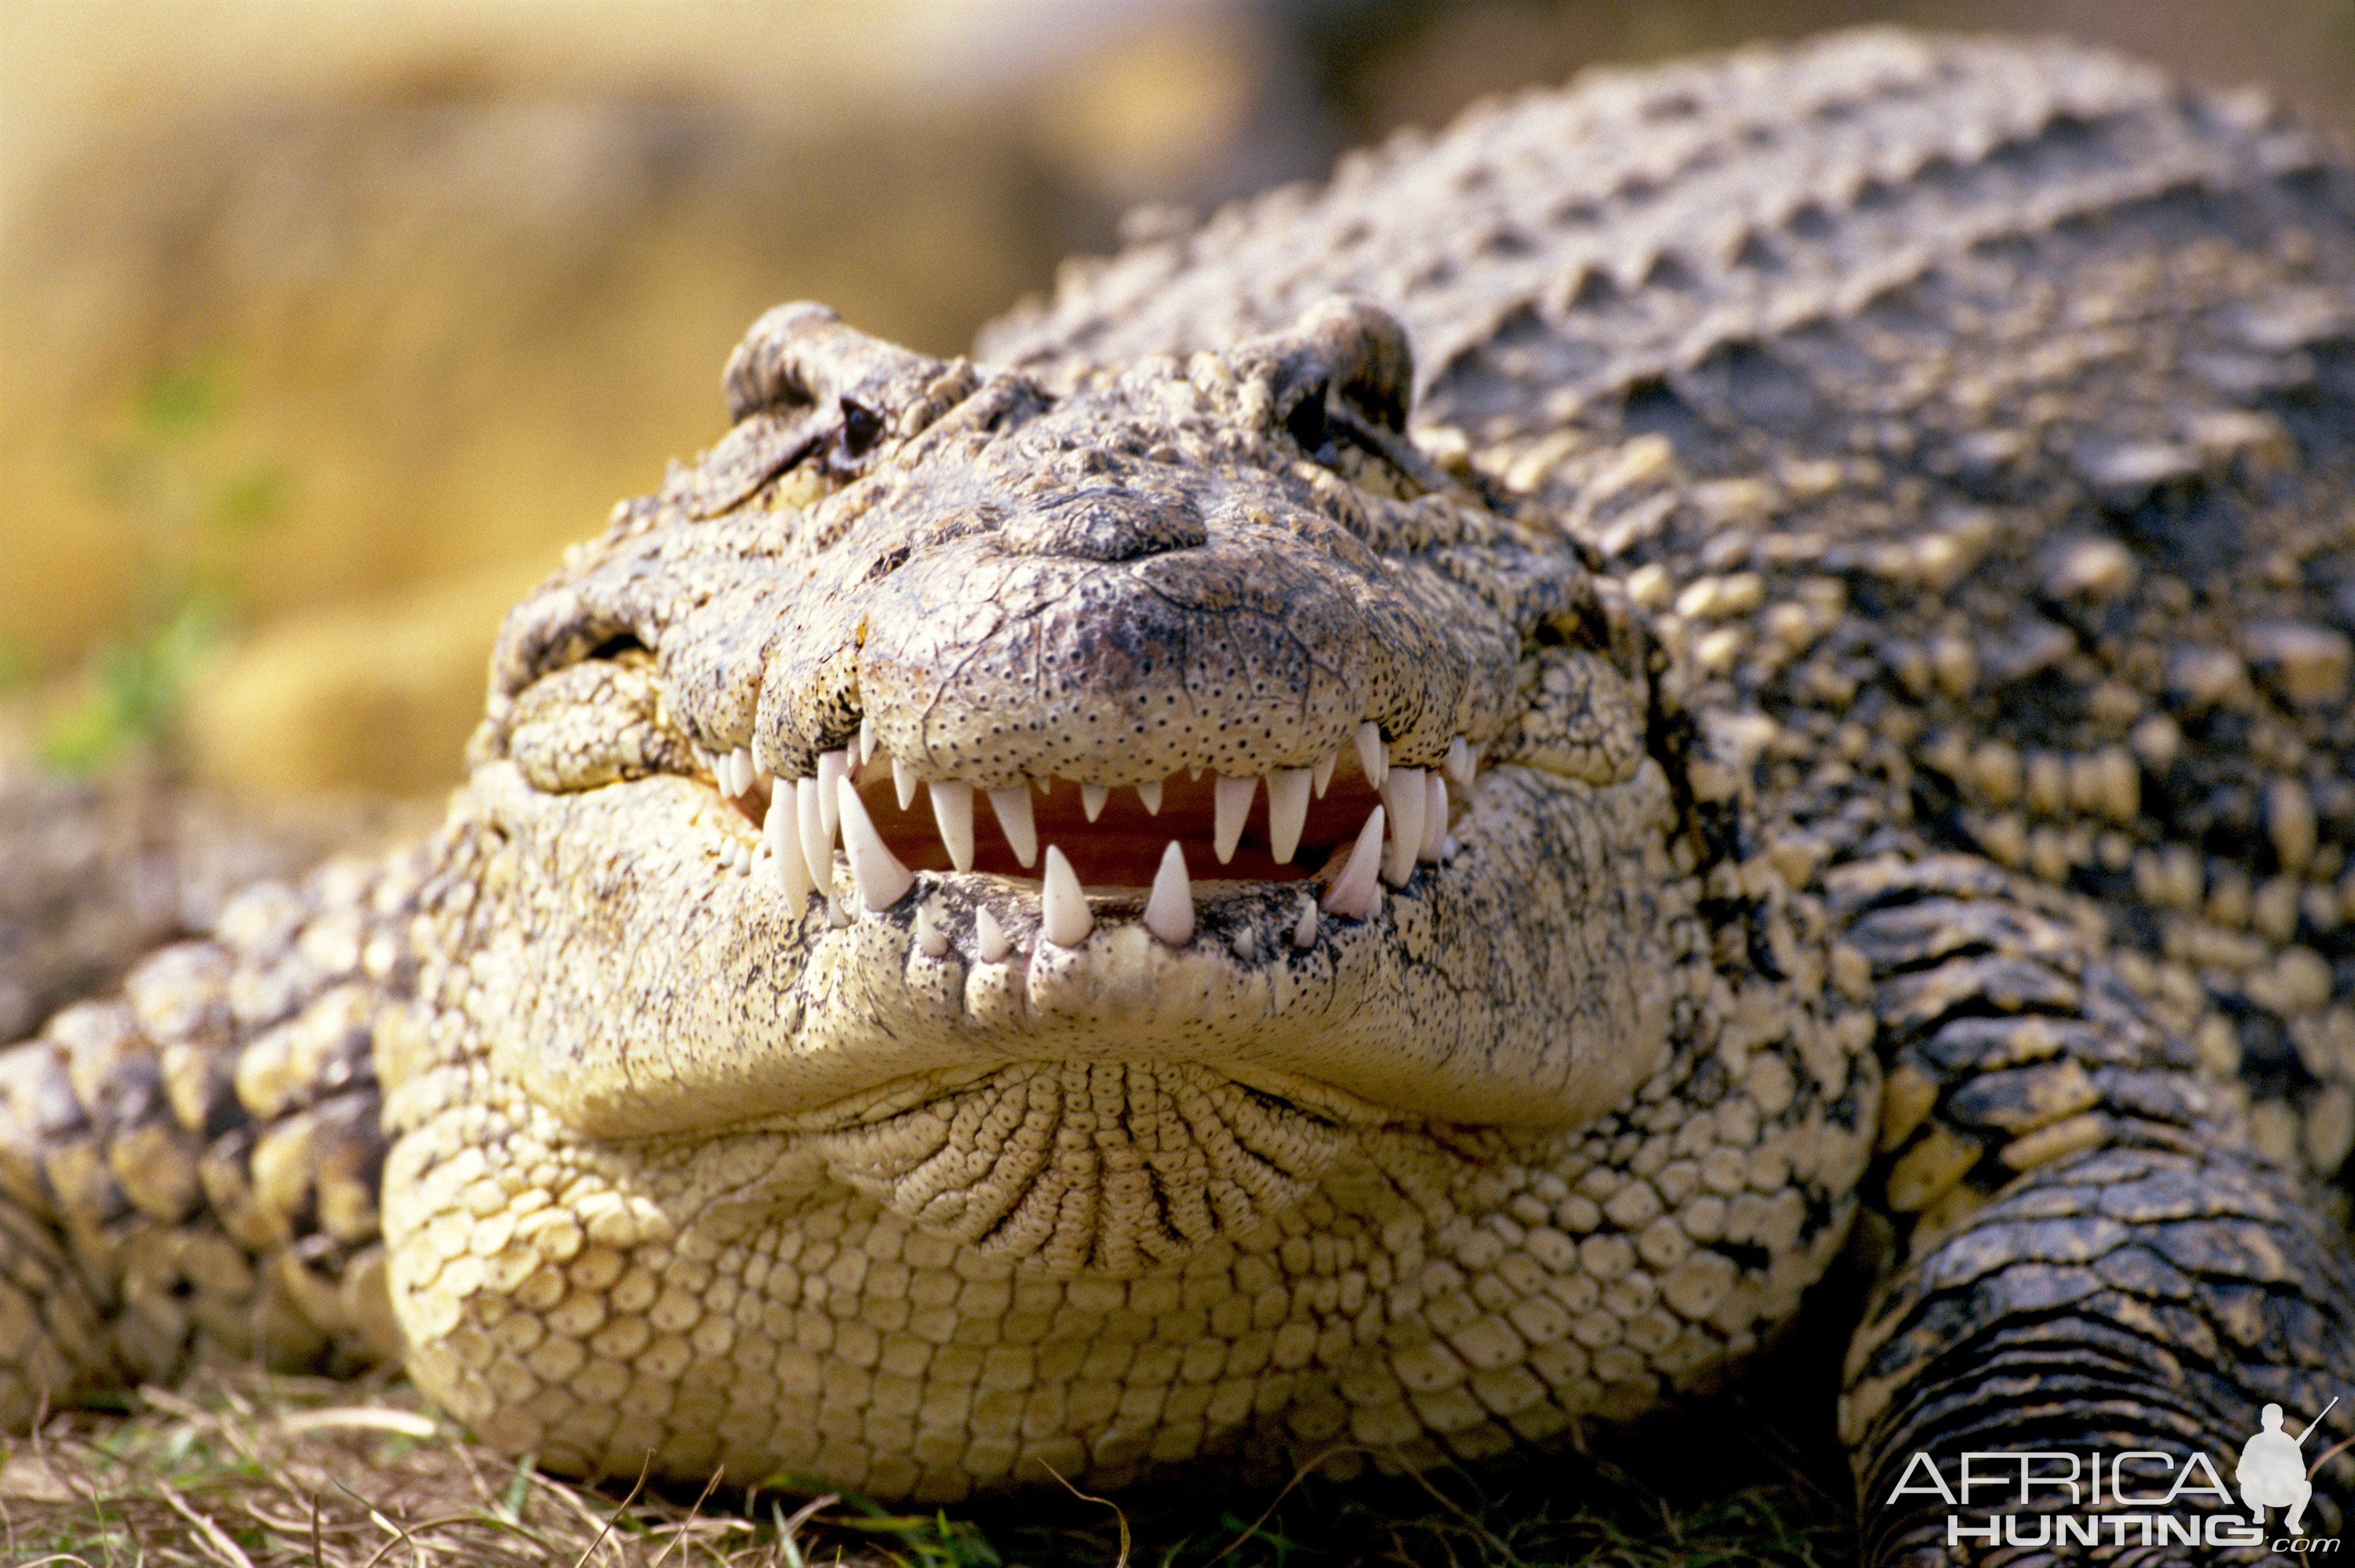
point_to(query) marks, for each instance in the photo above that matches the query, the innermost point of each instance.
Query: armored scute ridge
(1379, 825)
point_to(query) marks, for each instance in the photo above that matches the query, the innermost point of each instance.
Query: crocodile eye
(597, 723)
(862, 427)
(1307, 424)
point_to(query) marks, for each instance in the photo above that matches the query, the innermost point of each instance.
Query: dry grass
(244, 1471)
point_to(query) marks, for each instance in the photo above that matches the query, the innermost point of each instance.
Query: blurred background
(326, 324)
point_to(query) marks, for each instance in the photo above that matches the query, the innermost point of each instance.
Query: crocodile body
(1834, 565)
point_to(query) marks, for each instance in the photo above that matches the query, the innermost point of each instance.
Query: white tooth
(1458, 765)
(1046, 783)
(1287, 811)
(1373, 757)
(1435, 817)
(1150, 794)
(904, 780)
(928, 934)
(1093, 798)
(1246, 943)
(1231, 806)
(1402, 792)
(1324, 773)
(818, 844)
(1012, 804)
(783, 834)
(953, 812)
(1063, 916)
(1479, 758)
(831, 766)
(1169, 912)
(882, 881)
(1194, 772)
(1304, 930)
(836, 915)
(865, 738)
(989, 937)
(1355, 891)
(746, 770)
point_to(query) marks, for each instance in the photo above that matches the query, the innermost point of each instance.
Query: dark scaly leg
(2089, 1259)
(188, 1171)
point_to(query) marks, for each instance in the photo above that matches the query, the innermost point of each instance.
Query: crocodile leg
(189, 1170)
(2092, 1264)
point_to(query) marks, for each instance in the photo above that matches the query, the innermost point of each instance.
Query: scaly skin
(1867, 525)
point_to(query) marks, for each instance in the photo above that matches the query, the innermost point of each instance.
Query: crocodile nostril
(1106, 523)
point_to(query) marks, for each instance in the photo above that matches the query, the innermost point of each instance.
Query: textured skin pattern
(1880, 510)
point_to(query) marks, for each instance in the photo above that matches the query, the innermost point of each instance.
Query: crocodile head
(937, 736)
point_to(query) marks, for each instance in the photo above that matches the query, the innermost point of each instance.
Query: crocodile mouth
(1358, 818)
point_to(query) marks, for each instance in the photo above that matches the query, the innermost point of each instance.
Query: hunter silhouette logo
(2273, 1469)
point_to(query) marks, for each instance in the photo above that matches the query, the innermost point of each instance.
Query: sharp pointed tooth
(1435, 817)
(989, 937)
(1246, 943)
(1063, 914)
(1012, 804)
(928, 934)
(1231, 806)
(1150, 794)
(1458, 765)
(1169, 912)
(1373, 757)
(1324, 773)
(1093, 798)
(866, 739)
(832, 766)
(1287, 811)
(746, 770)
(836, 915)
(1355, 891)
(1303, 930)
(905, 780)
(781, 832)
(882, 881)
(1403, 792)
(952, 813)
(818, 844)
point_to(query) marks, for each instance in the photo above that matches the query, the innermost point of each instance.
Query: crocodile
(1378, 830)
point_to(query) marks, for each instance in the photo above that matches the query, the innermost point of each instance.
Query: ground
(253, 1472)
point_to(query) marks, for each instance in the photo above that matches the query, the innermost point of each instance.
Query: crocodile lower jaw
(800, 1005)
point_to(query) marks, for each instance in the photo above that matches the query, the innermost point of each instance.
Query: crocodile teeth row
(806, 816)
(1065, 919)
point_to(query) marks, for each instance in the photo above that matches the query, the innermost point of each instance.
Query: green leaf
(180, 403)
